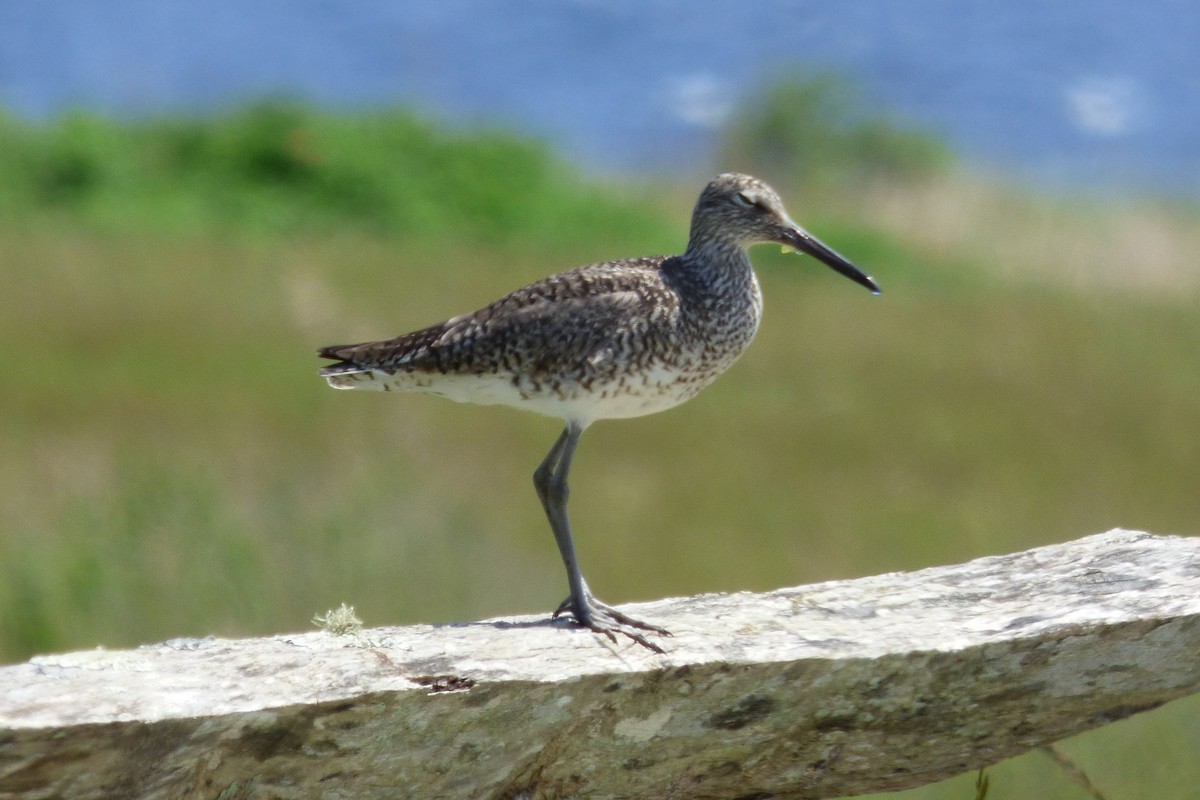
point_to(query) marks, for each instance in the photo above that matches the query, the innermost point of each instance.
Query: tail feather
(347, 373)
(387, 353)
(334, 351)
(369, 365)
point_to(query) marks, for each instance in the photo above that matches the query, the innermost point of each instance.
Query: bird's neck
(718, 292)
(714, 258)
(716, 273)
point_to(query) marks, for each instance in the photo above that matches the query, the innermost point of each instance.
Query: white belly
(635, 395)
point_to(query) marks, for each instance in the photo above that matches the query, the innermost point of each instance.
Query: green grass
(175, 467)
(280, 169)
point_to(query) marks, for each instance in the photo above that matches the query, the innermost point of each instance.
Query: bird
(610, 340)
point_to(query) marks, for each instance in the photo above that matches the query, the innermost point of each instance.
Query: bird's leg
(550, 481)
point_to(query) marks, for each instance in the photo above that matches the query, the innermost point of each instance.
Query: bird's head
(743, 210)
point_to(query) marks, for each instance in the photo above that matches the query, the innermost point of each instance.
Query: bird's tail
(348, 374)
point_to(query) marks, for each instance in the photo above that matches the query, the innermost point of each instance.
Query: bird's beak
(800, 239)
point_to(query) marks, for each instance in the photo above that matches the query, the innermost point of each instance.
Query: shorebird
(606, 341)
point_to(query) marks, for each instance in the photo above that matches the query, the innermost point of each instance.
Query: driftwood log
(834, 689)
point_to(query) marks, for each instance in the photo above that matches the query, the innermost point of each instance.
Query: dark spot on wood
(444, 683)
(724, 770)
(145, 747)
(286, 737)
(40, 772)
(1128, 710)
(836, 722)
(750, 709)
(325, 746)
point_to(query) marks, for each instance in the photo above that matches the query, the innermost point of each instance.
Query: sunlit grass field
(175, 467)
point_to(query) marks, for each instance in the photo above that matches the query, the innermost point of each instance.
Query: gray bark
(834, 689)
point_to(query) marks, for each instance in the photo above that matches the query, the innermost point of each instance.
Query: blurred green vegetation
(174, 466)
(817, 131)
(283, 169)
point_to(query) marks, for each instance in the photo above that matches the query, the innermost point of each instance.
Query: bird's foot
(590, 613)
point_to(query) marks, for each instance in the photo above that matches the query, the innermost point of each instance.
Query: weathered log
(833, 689)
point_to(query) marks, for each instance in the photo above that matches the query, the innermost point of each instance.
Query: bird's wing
(555, 326)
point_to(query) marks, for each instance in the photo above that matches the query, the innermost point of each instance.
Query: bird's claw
(604, 619)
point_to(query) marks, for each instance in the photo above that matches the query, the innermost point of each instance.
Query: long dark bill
(805, 242)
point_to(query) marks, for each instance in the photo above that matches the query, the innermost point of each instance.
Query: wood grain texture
(834, 689)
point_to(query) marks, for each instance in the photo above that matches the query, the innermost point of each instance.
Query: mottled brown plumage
(608, 340)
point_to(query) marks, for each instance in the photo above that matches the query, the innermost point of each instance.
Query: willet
(605, 341)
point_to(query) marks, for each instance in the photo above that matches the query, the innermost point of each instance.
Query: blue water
(1087, 94)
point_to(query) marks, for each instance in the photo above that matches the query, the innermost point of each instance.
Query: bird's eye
(744, 200)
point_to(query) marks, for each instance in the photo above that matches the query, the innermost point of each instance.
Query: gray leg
(550, 481)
